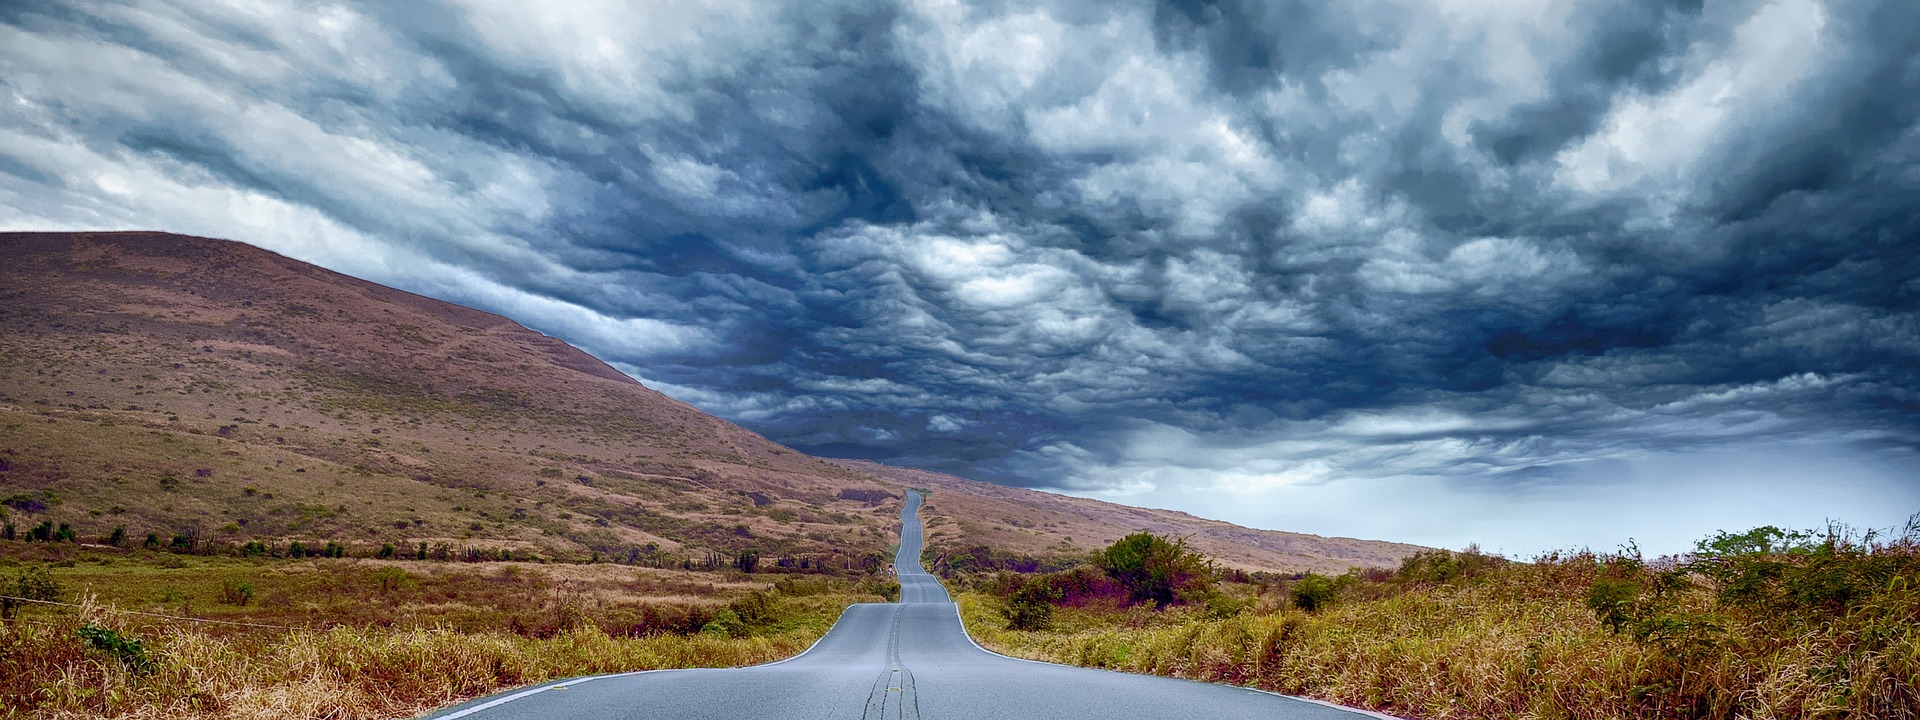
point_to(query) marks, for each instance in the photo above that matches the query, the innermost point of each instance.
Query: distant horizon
(1534, 277)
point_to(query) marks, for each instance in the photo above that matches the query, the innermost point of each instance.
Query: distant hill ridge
(182, 385)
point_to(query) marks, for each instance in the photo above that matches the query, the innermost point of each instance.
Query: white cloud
(1654, 143)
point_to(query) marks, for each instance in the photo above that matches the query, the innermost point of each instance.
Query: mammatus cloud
(1532, 274)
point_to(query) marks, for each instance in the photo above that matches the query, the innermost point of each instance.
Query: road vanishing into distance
(897, 661)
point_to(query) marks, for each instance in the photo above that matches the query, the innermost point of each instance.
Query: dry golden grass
(343, 672)
(1838, 639)
(345, 638)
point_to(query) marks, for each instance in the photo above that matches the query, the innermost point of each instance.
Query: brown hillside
(205, 388)
(185, 385)
(965, 512)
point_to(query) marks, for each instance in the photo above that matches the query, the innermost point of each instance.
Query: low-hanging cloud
(1293, 264)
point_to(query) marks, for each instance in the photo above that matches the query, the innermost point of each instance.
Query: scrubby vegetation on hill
(1761, 624)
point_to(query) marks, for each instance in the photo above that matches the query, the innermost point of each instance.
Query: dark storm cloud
(1240, 249)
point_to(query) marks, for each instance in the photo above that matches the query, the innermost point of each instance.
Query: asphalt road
(910, 659)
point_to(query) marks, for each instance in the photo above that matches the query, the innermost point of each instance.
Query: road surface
(896, 661)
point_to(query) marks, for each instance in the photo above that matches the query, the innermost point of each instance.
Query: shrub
(755, 609)
(1313, 592)
(233, 592)
(128, 650)
(1030, 607)
(1153, 568)
(1438, 567)
(31, 583)
(390, 578)
(725, 623)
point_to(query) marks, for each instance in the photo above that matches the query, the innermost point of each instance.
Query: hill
(964, 513)
(206, 391)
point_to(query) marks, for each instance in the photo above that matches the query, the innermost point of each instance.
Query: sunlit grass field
(366, 638)
(1798, 627)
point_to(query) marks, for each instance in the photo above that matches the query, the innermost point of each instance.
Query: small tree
(748, 561)
(1154, 568)
(33, 583)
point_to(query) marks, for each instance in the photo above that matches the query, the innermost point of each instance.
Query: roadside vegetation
(100, 632)
(1766, 623)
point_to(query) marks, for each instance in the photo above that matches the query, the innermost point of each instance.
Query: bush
(1030, 607)
(390, 578)
(32, 583)
(234, 592)
(1313, 592)
(128, 650)
(1438, 567)
(1153, 568)
(725, 623)
(889, 589)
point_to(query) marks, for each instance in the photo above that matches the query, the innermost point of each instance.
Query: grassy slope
(180, 385)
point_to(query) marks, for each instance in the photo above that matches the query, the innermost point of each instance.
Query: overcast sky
(1529, 274)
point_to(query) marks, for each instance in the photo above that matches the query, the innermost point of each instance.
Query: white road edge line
(535, 691)
(1336, 706)
(590, 678)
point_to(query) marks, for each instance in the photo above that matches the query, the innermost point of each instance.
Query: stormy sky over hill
(1529, 274)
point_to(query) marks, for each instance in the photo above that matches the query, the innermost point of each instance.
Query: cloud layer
(1325, 267)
